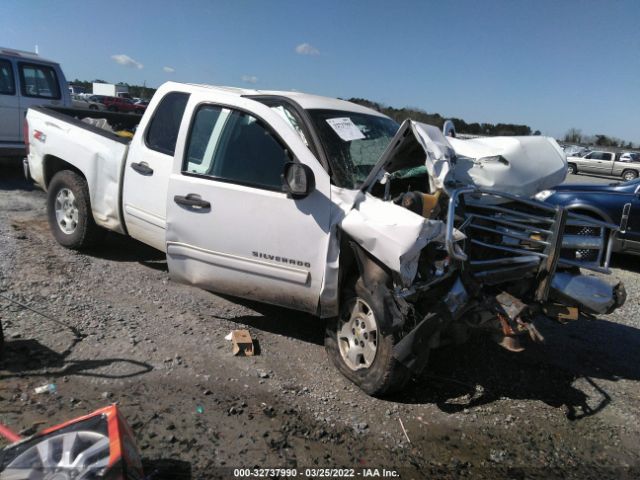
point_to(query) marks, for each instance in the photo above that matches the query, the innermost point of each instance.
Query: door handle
(143, 168)
(192, 200)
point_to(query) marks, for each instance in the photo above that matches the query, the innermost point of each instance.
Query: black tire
(82, 231)
(385, 374)
(572, 169)
(629, 175)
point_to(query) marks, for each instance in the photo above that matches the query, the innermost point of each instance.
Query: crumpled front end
(468, 248)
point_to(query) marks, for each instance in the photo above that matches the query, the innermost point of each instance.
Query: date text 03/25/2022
(315, 473)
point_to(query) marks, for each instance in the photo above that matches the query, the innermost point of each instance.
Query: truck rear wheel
(629, 175)
(356, 344)
(69, 211)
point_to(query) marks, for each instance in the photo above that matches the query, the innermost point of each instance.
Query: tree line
(475, 128)
(139, 91)
(575, 135)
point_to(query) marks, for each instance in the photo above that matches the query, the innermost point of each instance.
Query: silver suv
(26, 80)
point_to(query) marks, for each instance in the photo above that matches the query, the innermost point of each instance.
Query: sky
(548, 64)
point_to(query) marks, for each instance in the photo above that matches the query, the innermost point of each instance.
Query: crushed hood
(517, 165)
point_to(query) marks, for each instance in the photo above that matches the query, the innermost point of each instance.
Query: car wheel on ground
(358, 345)
(629, 175)
(571, 168)
(69, 211)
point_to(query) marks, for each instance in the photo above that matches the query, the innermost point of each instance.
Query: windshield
(353, 142)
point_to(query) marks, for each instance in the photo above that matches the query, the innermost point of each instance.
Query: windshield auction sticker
(345, 128)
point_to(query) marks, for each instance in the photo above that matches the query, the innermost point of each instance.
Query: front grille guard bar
(601, 264)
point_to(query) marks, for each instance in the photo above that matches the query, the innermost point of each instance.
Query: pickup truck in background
(402, 239)
(26, 80)
(605, 163)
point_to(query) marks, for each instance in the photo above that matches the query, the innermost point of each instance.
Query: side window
(39, 81)
(232, 145)
(607, 156)
(162, 133)
(589, 156)
(7, 82)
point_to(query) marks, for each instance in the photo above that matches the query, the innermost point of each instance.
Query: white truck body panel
(273, 248)
(392, 234)
(100, 158)
(517, 165)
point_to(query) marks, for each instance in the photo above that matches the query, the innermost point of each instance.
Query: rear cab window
(39, 81)
(162, 132)
(7, 81)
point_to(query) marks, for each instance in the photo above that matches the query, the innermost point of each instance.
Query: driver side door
(230, 226)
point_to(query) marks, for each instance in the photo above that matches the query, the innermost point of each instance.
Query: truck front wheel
(69, 211)
(358, 346)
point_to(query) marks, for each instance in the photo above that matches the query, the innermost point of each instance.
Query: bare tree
(573, 135)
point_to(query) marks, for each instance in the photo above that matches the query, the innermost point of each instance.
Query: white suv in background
(26, 80)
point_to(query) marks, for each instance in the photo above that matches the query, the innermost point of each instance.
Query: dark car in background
(617, 203)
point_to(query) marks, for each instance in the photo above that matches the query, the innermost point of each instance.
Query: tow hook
(510, 312)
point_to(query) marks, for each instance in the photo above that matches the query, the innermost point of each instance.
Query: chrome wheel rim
(74, 455)
(66, 211)
(358, 335)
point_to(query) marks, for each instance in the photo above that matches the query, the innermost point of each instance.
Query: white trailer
(109, 89)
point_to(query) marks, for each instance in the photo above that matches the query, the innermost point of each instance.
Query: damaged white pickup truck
(404, 239)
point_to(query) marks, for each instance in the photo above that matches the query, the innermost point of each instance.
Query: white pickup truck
(401, 238)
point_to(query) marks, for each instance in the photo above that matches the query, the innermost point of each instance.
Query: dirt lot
(566, 409)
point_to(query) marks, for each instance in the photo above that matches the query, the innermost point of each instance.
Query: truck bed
(119, 121)
(59, 135)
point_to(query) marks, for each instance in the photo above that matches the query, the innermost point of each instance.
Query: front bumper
(587, 292)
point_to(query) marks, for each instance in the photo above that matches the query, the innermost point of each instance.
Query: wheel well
(53, 165)
(630, 170)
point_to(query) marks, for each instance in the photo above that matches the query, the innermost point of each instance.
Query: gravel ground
(565, 409)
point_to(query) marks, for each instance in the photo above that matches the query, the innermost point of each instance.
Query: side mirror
(298, 180)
